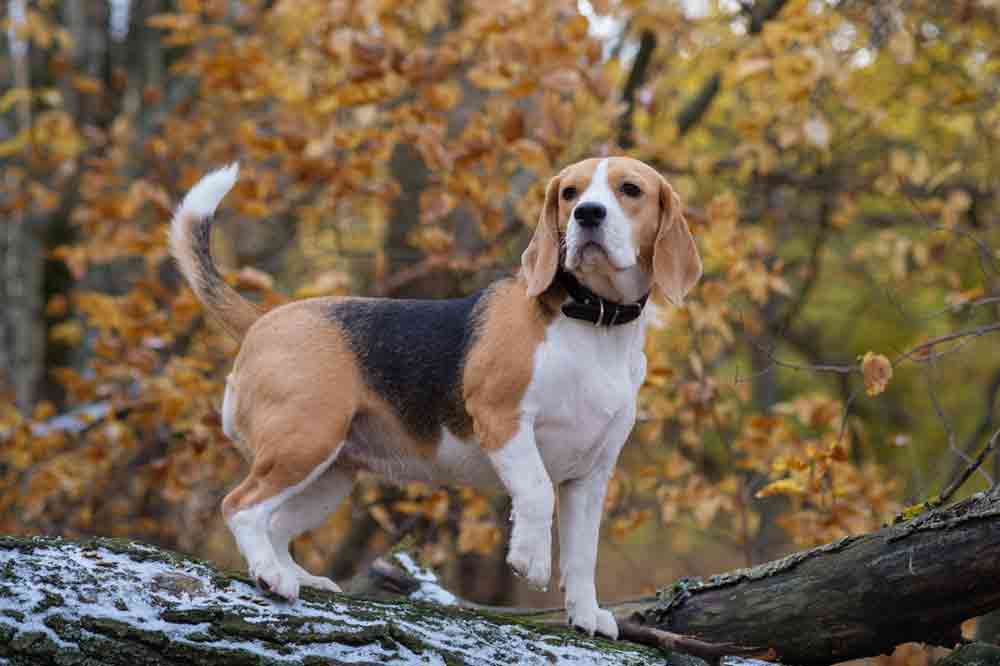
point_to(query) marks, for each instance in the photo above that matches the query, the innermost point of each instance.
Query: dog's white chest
(585, 380)
(581, 397)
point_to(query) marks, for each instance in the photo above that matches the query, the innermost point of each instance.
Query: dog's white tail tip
(205, 196)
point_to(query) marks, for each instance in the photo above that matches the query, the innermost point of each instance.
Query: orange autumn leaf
(877, 372)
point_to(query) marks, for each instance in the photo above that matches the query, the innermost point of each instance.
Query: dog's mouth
(592, 256)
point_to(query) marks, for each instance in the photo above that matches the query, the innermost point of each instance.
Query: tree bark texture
(857, 597)
(114, 602)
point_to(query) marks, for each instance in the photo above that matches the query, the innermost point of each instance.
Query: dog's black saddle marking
(412, 353)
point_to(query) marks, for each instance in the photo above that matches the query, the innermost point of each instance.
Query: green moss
(34, 643)
(6, 635)
(205, 655)
(234, 625)
(22, 544)
(48, 600)
(123, 631)
(63, 628)
(191, 615)
(973, 654)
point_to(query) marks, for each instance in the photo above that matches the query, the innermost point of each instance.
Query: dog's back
(412, 352)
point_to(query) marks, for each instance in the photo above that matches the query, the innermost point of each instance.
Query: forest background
(836, 158)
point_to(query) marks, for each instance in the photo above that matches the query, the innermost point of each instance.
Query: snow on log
(107, 601)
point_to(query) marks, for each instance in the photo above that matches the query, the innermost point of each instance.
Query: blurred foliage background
(836, 157)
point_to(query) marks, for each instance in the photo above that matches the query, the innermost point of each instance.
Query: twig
(924, 347)
(813, 267)
(943, 418)
(957, 307)
(392, 579)
(666, 640)
(920, 350)
(968, 471)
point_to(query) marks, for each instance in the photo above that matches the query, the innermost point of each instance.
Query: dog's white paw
(592, 619)
(530, 556)
(273, 578)
(318, 582)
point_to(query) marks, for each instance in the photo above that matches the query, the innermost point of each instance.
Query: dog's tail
(190, 233)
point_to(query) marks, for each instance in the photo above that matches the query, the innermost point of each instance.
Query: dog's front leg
(523, 474)
(581, 505)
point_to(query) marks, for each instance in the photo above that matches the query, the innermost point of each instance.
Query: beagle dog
(528, 386)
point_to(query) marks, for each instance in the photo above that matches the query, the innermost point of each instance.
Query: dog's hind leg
(277, 476)
(305, 511)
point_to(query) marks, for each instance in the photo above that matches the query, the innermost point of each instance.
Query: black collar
(588, 306)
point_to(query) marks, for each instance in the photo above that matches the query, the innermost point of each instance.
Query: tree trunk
(113, 602)
(857, 597)
(21, 316)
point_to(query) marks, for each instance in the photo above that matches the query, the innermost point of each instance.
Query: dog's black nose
(590, 214)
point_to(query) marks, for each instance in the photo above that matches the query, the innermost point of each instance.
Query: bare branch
(636, 77)
(667, 640)
(967, 472)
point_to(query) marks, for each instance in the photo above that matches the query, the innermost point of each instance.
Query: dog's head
(618, 226)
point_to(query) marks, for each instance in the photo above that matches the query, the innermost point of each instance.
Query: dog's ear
(541, 260)
(676, 263)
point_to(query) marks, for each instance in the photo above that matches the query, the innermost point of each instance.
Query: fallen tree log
(857, 597)
(111, 602)
(107, 601)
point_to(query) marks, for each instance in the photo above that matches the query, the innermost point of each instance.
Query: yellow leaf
(12, 97)
(44, 410)
(902, 46)
(563, 80)
(330, 282)
(254, 208)
(531, 155)
(488, 78)
(443, 96)
(433, 240)
(381, 516)
(781, 487)
(68, 333)
(254, 279)
(88, 85)
(178, 22)
(435, 203)
(15, 144)
(751, 67)
(877, 372)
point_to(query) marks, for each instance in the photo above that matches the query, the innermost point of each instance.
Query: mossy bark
(857, 597)
(115, 602)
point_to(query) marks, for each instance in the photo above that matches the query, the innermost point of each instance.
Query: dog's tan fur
(288, 429)
(499, 368)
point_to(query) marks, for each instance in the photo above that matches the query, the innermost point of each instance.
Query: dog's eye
(569, 193)
(631, 190)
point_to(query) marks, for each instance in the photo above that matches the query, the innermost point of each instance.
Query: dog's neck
(586, 305)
